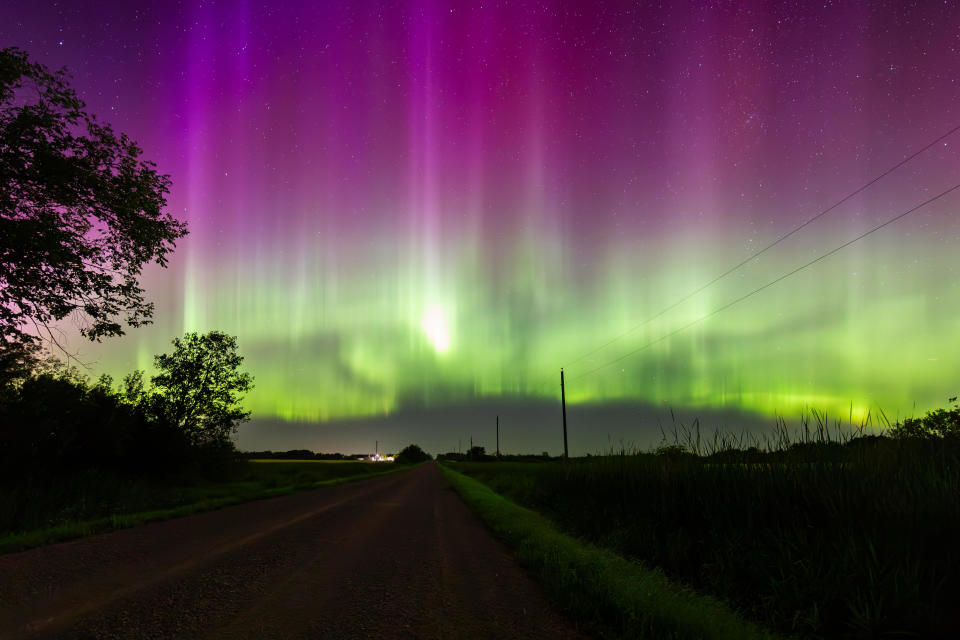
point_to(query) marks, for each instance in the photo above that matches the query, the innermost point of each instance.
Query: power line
(769, 284)
(769, 246)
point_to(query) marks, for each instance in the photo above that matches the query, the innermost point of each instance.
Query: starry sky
(412, 214)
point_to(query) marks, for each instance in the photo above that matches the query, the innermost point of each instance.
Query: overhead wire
(769, 284)
(760, 252)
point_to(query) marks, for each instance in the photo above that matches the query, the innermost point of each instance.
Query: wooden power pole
(563, 403)
(498, 436)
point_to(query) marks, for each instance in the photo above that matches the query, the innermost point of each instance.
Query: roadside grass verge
(854, 540)
(608, 594)
(98, 502)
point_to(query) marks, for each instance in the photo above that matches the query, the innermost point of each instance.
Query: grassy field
(285, 461)
(610, 596)
(33, 513)
(866, 544)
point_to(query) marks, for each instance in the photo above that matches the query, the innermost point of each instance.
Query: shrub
(412, 454)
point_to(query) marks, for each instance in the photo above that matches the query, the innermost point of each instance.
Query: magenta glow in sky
(416, 203)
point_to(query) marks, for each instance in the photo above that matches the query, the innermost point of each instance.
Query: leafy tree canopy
(17, 361)
(80, 213)
(199, 387)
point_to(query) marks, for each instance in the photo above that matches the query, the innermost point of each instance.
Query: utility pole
(498, 436)
(563, 403)
(470, 451)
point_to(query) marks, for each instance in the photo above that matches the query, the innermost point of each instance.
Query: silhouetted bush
(412, 454)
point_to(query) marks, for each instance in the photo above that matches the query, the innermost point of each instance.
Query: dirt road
(397, 556)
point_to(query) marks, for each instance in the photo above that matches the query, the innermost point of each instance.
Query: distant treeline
(474, 455)
(479, 454)
(299, 454)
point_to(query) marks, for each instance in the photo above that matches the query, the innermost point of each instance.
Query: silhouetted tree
(80, 212)
(937, 424)
(199, 387)
(477, 453)
(412, 454)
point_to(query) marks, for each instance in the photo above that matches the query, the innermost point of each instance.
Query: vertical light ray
(198, 140)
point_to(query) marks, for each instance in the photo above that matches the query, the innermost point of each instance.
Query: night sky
(412, 214)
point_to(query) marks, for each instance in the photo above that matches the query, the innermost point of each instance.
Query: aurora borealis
(407, 205)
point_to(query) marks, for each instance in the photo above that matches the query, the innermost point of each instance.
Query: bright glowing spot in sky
(434, 324)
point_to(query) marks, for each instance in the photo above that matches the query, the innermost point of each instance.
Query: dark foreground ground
(392, 557)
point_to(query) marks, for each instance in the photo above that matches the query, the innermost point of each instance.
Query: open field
(36, 512)
(284, 461)
(864, 545)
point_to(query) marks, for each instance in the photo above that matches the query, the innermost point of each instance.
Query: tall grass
(828, 534)
(608, 595)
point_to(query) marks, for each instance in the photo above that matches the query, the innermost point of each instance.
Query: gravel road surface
(398, 556)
